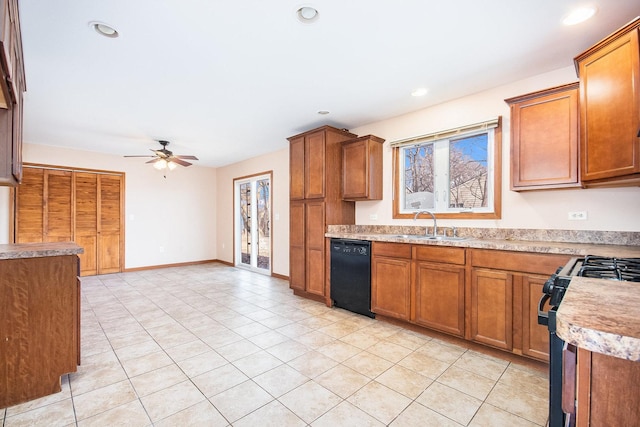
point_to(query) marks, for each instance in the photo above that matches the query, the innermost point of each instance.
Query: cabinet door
(314, 161)
(296, 246)
(315, 248)
(535, 338)
(296, 169)
(610, 108)
(492, 308)
(439, 297)
(544, 139)
(355, 170)
(391, 287)
(362, 168)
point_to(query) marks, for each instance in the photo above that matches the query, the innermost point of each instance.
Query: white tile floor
(214, 345)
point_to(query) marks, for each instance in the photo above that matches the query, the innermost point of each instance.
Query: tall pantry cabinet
(315, 164)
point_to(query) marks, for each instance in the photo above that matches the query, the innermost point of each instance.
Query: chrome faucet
(435, 224)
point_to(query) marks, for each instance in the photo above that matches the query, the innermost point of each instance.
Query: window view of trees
(418, 177)
(466, 169)
(468, 172)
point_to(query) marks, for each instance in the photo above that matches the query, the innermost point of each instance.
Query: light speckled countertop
(39, 250)
(563, 242)
(602, 316)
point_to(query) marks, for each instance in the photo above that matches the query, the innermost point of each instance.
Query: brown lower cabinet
(606, 391)
(39, 326)
(492, 308)
(391, 279)
(438, 286)
(505, 288)
(487, 296)
(504, 306)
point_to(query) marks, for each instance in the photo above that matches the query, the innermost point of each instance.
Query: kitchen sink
(429, 237)
(445, 238)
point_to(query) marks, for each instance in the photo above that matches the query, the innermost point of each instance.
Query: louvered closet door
(86, 195)
(43, 211)
(58, 217)
(29, 213)
(83, 206)
(110, 225)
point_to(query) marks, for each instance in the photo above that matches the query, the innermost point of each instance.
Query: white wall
(611, 209)
(177, 213)
(278, 162)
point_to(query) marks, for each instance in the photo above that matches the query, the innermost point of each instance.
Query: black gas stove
(597, 267)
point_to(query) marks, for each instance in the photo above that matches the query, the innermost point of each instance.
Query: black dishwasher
(351, 275)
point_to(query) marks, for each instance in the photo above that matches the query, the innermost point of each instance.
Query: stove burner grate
(627, 269)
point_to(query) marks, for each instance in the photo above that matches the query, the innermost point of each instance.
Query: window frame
(398, 169)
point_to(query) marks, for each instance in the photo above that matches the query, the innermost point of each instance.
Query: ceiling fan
(166, 159)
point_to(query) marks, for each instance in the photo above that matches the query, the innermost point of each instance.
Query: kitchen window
(454, 173)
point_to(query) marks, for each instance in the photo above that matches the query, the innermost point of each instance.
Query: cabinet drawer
(446, 254)
(517, 261)
(396, 250)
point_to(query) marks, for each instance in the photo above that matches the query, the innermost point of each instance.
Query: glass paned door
(253, 223)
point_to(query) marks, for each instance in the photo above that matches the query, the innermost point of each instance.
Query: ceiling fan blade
(186, 157)
(140, 156)
(154, 160)
(178, 161)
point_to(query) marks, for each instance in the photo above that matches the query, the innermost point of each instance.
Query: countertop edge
(38, 250)
(557, 248)
(601, 316)
(596, 341)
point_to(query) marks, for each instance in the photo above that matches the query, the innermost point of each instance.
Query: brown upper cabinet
(362, 168)
(544, 139)
(308, 162)
(610, 109)
(12, 86)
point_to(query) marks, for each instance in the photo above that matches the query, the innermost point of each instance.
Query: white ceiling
(229, 80)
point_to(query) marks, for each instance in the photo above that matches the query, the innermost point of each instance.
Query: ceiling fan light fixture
(103, 29)
(171, 165)
(160, 164)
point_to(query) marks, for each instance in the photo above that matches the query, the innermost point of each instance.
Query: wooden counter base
(39, 326)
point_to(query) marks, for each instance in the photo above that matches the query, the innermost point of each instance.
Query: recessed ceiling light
(104, 29)
(323, 112)
(307, 14)
(579, 15)
(419, 92)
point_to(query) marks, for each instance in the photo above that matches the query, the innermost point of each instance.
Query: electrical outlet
(577, 216)
(373, 217)
(161, 249)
